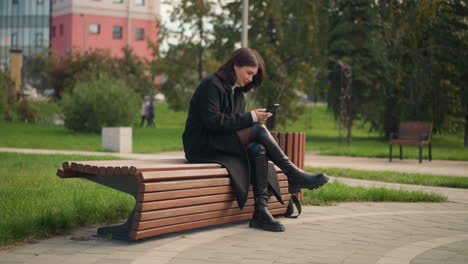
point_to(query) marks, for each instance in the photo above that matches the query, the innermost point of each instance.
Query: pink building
(104, 24)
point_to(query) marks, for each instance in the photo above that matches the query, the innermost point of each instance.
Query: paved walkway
(438, 167)
(384, 233)
(348, 233)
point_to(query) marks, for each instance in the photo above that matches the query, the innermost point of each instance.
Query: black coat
(214, 116)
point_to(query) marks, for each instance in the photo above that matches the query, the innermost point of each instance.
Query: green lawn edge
(396, 177)
(35, 203)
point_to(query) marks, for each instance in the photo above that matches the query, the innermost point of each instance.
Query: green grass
(396, 177)
(166, 136)
(317, 122)
(36, 203)
(338, 192)
(323, 135)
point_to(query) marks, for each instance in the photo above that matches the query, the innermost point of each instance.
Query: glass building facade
(25, 25)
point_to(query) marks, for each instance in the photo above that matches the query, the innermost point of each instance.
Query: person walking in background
(150, 113)
(144, 111)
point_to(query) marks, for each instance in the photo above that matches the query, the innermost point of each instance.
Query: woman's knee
(245, 135)
(256, 149)
(259, 129)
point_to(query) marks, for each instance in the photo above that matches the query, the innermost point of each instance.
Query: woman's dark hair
(243, 57)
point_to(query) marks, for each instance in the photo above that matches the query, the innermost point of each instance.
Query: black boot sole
(296, 188)
(272, 228)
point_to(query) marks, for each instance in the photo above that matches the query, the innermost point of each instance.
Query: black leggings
(247, 135)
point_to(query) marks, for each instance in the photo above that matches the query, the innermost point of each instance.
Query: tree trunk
(200, 49)
(466, 130)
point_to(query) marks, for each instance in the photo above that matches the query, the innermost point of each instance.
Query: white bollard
(118, 139)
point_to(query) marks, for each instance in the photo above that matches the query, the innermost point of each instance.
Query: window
(14, 39)
(40, 2)
(94, 28)
(61, 30)
(15, 2)
(117, 1)
(52, 34)
(140, 2)
(139, 34)
(117, 32)
(38, 39)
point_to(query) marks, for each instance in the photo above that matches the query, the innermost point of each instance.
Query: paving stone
(151, 260)
(124, 255)
(113, 261)
(84, 258)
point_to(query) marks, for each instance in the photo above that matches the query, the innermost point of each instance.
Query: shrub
(21, 111)
(34, 111)
(96, 104)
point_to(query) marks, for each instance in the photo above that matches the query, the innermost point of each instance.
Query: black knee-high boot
(297, 178)
(261, 218)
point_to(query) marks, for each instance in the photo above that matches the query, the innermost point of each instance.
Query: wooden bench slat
(408, 142)
(172, 212)
(158, 205)
(197, 224)
(192, 192)
(66, 173)
(190, 218)
(150, 215)
(178, 185)
(109, 170)
(194, 183)
(201, 216)
(180, 227)
(189, 201)
(119, 163)
(66, 165)
(165, 195)
(283, 184)
(181, 174)
(137, 169)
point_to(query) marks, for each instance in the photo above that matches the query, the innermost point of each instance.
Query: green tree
(353, 39)
(63, 73)
(425, 46)
(450, 50)
(286, 34)
(183, 64)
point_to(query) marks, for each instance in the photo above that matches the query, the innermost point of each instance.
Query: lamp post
(245, 23)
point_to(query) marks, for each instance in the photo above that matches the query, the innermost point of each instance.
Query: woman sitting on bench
(219, 130)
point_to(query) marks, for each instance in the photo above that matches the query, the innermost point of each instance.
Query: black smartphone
(272, 108)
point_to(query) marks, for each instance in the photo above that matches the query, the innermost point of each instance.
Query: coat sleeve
(210, 107)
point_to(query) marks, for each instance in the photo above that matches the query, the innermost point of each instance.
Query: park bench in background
(173, 195)
(412, 133)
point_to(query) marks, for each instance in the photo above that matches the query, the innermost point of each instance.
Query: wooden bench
(412, 133)
(173, 195)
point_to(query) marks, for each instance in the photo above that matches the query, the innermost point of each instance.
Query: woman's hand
(262, 115)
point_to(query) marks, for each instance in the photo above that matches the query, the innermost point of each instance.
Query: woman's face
(245, 74)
